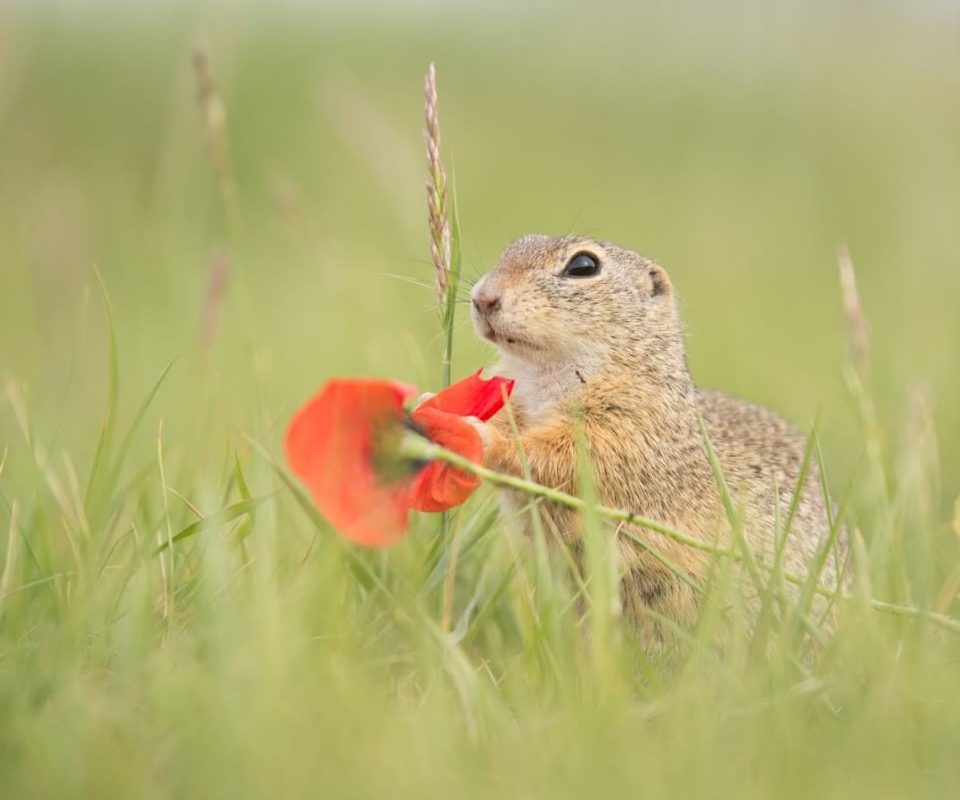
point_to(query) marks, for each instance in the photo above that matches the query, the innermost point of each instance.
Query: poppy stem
(417, 447)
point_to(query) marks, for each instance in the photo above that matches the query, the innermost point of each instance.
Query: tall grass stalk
(10, 561)
(443, 224)
(444, 228)
(214, 113)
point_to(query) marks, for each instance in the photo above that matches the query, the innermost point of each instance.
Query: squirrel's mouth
(505, 339)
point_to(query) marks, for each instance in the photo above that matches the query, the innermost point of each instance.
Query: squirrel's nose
(486, 298)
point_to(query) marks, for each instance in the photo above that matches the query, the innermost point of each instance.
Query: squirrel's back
(761, 457)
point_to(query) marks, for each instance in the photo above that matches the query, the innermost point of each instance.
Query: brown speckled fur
(606, 353)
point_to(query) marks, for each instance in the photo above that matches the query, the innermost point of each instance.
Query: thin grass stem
(418, 448)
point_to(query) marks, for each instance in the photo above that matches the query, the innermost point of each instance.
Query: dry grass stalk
(857, 374)
(213, 301)
(10, 562)
(437, 195)
(853, 315)
(215, 120)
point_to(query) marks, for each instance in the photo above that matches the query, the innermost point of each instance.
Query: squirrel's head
(552, 300)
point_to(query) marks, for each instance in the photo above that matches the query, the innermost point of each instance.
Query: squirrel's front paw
(486, 431)
(423, 399)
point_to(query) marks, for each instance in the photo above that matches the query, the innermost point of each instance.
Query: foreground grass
(165, 633)
(259, 654)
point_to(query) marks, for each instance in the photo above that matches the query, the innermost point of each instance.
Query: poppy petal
(472, 397)
(440, 486)
(331, 447)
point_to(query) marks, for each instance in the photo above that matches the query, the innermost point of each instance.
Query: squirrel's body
(591, 334)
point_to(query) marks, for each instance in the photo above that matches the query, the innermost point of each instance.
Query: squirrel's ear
(659, 280)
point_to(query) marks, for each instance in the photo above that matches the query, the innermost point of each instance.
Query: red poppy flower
(330, 446)
(440, 486)
(344, 445)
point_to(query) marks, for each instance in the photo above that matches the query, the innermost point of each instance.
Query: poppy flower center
(385, 454)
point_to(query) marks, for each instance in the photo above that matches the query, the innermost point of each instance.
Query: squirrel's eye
(582, 265)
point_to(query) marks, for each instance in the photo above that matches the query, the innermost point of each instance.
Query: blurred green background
(739, 144)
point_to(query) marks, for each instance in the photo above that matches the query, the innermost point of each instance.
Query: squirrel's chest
(539, 392)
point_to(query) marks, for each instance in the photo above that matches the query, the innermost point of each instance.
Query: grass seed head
(437, 195)
(857, 333)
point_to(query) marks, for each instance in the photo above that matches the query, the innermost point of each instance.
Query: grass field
(262, 654)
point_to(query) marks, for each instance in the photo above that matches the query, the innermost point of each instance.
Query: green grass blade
(449, 312)
(113, 472)
(109, 420)
(211, 520)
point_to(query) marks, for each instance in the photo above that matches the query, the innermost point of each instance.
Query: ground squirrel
(592, 336)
